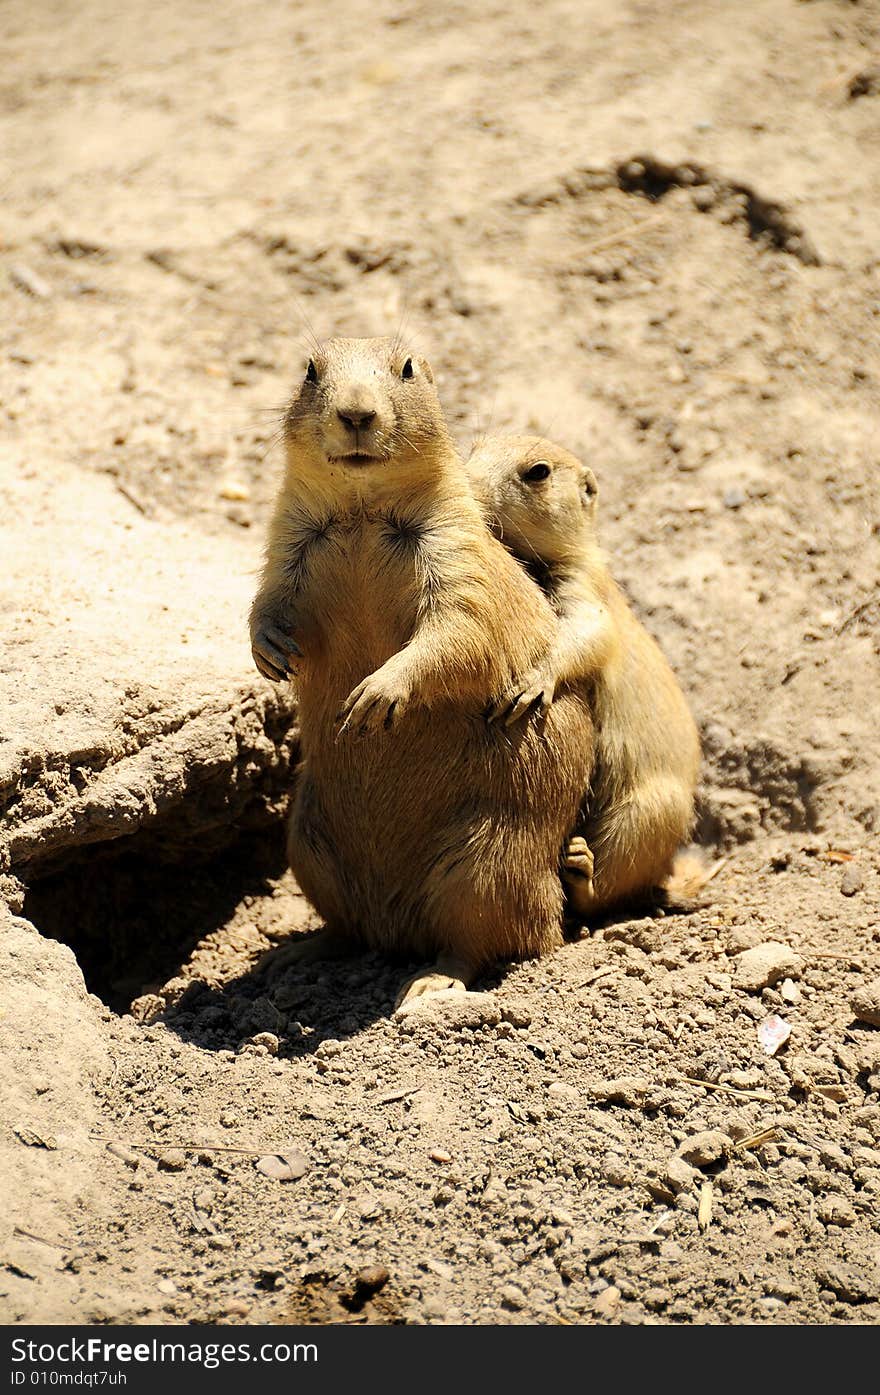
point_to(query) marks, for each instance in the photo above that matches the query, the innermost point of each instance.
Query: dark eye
(311, 372)
(407, 370)
(539, 471)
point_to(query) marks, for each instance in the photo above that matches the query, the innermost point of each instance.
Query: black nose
(355, 419)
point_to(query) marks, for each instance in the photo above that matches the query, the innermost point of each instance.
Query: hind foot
(446, 975)
(577, 867)
(303, 950)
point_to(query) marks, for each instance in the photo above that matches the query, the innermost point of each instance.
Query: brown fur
(417, 826)
(640, 805)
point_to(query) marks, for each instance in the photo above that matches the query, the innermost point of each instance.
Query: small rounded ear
(425, 366)
(589, 486)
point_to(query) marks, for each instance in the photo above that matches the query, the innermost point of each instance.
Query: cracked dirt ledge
(113, 726)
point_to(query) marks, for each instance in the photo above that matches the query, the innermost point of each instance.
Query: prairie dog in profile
(417, 827)
(541, 501)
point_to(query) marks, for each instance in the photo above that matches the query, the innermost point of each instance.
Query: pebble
(451, 1009)
(617, 1173)
(765, 965)
(608, 1302)
(851, 879)
(286, 1166)
(174, 1160)
(30, 281)
(516, 1012)
(236, 1307)
(167, 1286)
(847, 1282)
(789, 991)
(513, 1298)
(835, 1211)
(559, 1090)
(865, 1002)
(679, 1174)
(220, 1242)
(631, 1090)
(234, 490)
(705, 1149)
(369, 1281)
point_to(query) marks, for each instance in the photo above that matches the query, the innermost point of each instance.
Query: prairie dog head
(538, 498)
(364, 406)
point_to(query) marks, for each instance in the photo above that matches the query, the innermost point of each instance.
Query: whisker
(306, 328)
(400, 435)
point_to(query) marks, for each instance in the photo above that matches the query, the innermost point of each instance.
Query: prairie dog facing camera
(541, 501)
(417, 827)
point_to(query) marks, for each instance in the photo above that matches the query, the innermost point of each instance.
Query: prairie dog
(417, 827)
(541, 500)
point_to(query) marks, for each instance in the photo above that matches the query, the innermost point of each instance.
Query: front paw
(273, 650)
(533, 692)
(378, 702)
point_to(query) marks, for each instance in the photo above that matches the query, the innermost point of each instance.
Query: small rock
(851, 879)
(742, 937)
(782, 1287)
(631, 1090)
(516, 1012)
(679, 1175)
(705, 1149)
(234, 490)
(734, 498)
(835, 1211)
(367, 1283)
(865, 1002)
(617, 1173)
(866, 1055)
(608, 1302)
(236, 1307)
(286, 1166)
(656, 1298)
(126, 1155)
(267, 1040)
(451, 1009)
(220, 1242)
(765, 965)
(559, 1090)
(172, 1160)
(789, 991)
(513, 1298)
(439, 1155)
(29, 281)
(848, 1283)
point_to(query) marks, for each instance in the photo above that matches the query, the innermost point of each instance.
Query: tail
(691, 872)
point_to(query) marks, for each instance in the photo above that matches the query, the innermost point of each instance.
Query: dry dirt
(647, 230)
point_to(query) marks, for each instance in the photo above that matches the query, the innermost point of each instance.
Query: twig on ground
(762, 1095)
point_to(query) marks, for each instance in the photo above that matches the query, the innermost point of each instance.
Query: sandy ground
(648, 231)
